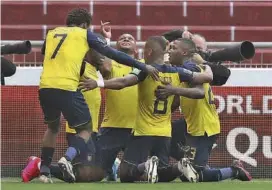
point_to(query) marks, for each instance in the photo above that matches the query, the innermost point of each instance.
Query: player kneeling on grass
(152, 130)
(203, 125)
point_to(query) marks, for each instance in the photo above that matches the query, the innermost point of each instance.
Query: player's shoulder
(189, 65)
(66, 29)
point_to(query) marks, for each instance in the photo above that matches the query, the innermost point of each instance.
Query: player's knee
(54, 126)
(89, 174)
(84, 127)
(127, 172)
(166, 174)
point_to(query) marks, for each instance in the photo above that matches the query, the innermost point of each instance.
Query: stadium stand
(231, 21)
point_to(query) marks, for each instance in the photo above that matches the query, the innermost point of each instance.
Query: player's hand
(198, 59)
(162, 92)
(86, 84)
(187, 34)
(153, 72)
(105, 29)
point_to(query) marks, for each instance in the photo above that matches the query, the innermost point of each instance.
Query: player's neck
(128, 52)
(158, 60)
(185, 59)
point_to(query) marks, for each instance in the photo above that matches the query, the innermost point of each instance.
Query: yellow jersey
(92, 98)
(200, 115)
(65, 49)
(121, 105)
(154, 115)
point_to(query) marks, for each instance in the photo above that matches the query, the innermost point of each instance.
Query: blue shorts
(110, 141)
(86, 157)
(201, 147)
(179, 131)
(71, 104)
(140, 147)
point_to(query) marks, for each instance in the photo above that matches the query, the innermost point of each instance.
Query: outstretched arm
(120, 83)
(114, 84)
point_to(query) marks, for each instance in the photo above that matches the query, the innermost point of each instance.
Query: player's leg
(32, 170)
(110, 142)
(76, 112)
(202, 147)
(134, 164)
(178, 140)
(161, 149)
(49, 101)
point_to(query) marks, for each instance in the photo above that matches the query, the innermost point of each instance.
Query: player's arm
(204, 77)
(131, 79)
(196, 92)
(100, 46)
(175, 104)
(191, 73)
(105, 68)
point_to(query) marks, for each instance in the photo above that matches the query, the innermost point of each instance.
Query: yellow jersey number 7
(63, 37)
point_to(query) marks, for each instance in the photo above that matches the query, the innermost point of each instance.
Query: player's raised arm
(100, 46)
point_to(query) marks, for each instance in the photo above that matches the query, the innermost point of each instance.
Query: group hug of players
(140, 97)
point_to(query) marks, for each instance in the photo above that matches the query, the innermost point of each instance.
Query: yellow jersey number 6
(63, 37)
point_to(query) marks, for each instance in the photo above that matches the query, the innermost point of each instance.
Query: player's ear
(135, 52)
(84, 25)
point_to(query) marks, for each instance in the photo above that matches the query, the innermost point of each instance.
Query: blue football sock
(71, 153)
(226, 173)
(78, 146)
(209, 175)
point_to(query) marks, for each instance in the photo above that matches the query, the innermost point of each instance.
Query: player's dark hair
(78, 16)
(158, 40)
(190, 45)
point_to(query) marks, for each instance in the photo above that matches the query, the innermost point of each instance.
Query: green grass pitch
(261, 184)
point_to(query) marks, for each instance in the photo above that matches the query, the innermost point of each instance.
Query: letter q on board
(253, 144)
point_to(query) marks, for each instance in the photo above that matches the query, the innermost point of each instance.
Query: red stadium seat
(212, 34)
(18, 12)
(161, 13)
(22, 32)
(252, 13)
(57, 11)
(208, 13)
(253, 33)
(118, 13)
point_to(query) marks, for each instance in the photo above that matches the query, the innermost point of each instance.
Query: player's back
(200, 114)
(65, 49)
(154, 115)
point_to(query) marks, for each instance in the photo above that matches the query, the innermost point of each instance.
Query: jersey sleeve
(185, 75)
(141, 75)
(191, 66)
(101, 46)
